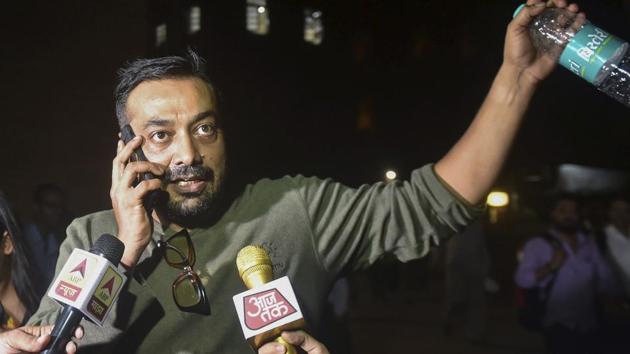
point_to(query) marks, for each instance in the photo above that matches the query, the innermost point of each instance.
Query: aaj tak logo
(269, 306)
(265, 308)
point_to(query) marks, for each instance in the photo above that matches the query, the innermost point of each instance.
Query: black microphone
(76, 278)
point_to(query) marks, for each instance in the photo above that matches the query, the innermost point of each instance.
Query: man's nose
(186, 152)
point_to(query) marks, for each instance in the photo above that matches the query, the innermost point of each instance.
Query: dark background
(393, 85)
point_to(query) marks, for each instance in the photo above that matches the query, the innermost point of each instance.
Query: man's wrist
(512, 83)
(131, 256)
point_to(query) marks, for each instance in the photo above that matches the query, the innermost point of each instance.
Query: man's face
(565, 216)
(177, 118)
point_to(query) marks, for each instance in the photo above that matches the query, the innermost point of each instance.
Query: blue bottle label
(588, 51)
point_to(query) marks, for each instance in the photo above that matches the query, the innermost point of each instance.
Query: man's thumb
(22, 341)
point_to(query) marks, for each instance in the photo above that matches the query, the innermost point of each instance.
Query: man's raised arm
(472, 165)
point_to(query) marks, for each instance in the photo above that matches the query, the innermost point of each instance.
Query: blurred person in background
(20, 286)
(565, 267)
(617, 239)
(467, 265)
(48, 228)
(615, 246)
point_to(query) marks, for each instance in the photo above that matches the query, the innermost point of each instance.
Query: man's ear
(7, 243)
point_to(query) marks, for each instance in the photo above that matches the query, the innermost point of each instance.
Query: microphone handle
(63, 331)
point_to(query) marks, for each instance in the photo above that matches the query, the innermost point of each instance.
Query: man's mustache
(186, 172)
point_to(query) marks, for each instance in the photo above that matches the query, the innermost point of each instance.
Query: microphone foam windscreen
(110, 247)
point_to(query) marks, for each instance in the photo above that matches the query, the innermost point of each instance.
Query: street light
(390, 175)
(498, 199)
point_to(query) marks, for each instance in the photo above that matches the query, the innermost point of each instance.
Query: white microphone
(87, 286)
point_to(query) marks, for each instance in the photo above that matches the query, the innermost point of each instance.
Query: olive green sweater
(313, 229)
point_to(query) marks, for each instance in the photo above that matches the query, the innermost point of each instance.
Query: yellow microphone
(255, 269)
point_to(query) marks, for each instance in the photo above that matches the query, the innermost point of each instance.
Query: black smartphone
(152, 197)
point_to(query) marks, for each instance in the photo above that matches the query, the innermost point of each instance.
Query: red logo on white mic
(264, 308)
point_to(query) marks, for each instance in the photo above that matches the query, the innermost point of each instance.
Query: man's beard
(192, 209)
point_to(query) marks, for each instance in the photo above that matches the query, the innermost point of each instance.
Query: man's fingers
(123, 153)
(534, 8)
(37, 330)
(144, 187)
(24, 341)
(528, 12)
(128, 149)
(563, 4)
(131, 173)
(305, 341)
(71, 347)
(79, 332)
(557, 3)
(133, 169)
(272, 348)
(118, 164)
(297, 338)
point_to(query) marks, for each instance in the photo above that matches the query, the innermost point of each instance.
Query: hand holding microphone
(270, 306)
(87, 286)
(299, 339)
(32, 339)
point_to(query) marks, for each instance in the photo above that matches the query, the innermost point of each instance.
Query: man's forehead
(151, 97)
(190, 85)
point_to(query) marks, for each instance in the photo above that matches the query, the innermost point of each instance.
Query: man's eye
(206, 129)
(159, 136)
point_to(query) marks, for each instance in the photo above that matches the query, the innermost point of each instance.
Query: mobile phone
(151, 199)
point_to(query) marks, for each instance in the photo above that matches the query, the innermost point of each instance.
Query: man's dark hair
(140, 70)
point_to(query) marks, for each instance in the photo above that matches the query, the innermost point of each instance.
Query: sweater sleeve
(352, 228)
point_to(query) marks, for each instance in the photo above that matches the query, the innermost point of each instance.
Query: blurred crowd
(570, 276)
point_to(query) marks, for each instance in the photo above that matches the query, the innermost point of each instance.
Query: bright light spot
(160, 35)
(257, 17)
(313, 27)
(498, 199)
(194, 20)
(390, 175)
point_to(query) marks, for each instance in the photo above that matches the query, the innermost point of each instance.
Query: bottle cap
(518, 10)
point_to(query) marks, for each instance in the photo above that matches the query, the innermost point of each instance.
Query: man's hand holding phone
(134, 222)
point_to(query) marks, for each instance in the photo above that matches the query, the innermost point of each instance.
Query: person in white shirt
(617, 234)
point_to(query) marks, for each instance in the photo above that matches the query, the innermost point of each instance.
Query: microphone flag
(89, 283)
(267, 307)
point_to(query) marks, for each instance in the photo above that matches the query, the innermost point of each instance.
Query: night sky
(418, 69)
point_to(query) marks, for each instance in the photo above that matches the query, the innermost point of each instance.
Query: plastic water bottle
(588, 51)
